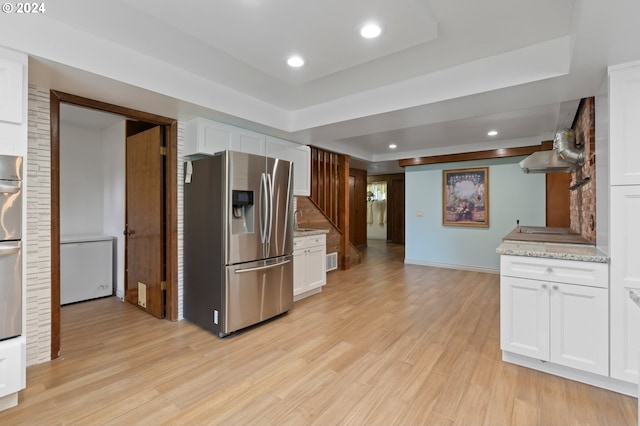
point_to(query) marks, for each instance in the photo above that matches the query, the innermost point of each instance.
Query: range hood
(566, 156)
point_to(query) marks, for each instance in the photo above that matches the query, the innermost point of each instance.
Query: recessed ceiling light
(295, 61)
(370, 30)
(393, 146)
(492, 133)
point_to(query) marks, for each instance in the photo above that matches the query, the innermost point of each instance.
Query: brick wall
(583, 199)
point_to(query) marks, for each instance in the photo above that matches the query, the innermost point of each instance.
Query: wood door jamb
(170, 187)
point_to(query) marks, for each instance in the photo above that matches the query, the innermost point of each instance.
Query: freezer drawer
(86, 270)
(10, 289)
(257, 291)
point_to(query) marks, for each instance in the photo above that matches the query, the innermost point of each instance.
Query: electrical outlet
(142, 294)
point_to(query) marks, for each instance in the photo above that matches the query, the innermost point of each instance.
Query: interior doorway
(167, 128)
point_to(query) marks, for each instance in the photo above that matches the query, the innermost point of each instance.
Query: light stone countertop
(305, 232)
(581, 252)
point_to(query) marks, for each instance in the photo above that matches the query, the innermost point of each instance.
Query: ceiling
(442, 74)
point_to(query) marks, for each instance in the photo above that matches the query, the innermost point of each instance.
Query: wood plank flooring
(384, 343)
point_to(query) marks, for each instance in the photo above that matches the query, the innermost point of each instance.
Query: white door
(579, 327)
(524, 317)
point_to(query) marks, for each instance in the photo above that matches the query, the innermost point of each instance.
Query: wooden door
(395, 211)
(358, 207)
(557, 199)
(144, 254)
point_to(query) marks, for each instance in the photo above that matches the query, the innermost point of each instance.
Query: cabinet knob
(544, 286)
(555, 287)
(549, 270)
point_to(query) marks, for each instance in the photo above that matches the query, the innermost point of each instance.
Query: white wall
(513, 195)
(92, 186)
(113, 150)
(81, 180)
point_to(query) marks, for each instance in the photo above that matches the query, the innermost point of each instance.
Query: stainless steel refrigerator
(238, 240)
(10, 246)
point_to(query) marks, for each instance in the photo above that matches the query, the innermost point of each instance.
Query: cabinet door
(315, 263)
(299, 272)
(300, 156)
(624, 109)
(524, 317)
(625, 276)
(247, 141)
(625, 334)
(11, 89)
(579, 327)
(12, 363)
(206, 137)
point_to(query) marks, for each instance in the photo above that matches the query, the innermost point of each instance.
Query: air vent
(332, 261)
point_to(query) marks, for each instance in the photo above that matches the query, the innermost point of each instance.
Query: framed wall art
(465, 197)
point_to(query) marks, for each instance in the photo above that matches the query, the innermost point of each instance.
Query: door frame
(170, 128)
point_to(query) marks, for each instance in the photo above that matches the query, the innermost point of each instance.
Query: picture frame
(465, 197)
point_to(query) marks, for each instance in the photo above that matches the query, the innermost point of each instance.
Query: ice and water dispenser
(242, 217)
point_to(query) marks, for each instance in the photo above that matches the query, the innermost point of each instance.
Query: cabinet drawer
(563, 271)
(308, 241)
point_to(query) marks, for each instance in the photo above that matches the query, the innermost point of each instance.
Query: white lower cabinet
(625, 282)
(309, 274)
(551, 320)
(12, 370)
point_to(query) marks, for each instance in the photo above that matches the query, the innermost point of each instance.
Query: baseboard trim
(452, 266)
(603, 382)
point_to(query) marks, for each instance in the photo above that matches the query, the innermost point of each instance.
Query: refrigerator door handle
(9, 189)
(263, 208)
(260, 268)
(270, 227)
(9, 248)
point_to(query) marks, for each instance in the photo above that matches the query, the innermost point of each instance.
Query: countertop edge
(553, 251)
(307, 233)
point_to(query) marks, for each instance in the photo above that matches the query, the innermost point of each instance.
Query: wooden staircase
(330, 196)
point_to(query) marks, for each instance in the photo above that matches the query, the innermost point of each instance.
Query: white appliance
(86, 267)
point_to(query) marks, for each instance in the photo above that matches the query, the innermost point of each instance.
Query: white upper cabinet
(247, 141)
(11, 90)
(624, 135)
(300, 155)
(206, 137)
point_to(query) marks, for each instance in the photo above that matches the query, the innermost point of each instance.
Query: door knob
(128, 232)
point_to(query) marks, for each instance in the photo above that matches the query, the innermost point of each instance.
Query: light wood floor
(384, 343)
